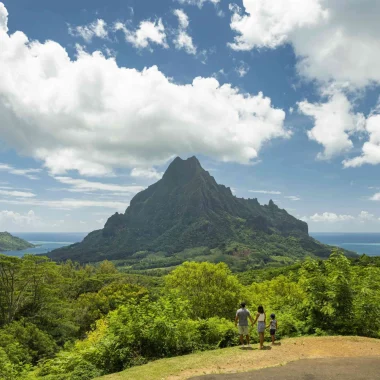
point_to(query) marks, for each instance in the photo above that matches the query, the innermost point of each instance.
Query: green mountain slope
(12, 243)
(188, 209)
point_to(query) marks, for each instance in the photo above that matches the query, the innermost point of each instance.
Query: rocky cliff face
(186, 209)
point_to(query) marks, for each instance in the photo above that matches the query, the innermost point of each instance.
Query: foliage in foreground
(76, 322)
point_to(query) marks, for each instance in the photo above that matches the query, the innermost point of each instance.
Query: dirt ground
(290, 350)
(312, 369)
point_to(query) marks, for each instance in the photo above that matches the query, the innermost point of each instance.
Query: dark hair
(242, 304)
(272, 316)
(260, 309)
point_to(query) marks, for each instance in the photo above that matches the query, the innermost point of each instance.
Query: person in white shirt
(260, 318)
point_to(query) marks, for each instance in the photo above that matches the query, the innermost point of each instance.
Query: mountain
(186, 210)
(12, 243)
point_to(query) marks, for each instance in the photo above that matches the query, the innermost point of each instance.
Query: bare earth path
(312, 369)
(235, 360)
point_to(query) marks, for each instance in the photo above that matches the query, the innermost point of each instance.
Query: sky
(277, 99)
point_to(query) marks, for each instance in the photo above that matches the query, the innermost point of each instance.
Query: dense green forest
(69, 321)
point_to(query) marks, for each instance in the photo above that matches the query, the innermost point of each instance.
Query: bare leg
(261, 340)
(242, 340)
(247, 337)
(273, 338)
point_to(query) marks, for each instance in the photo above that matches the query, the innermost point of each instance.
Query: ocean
(368, 243)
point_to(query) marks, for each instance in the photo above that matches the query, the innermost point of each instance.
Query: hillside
(233, 360)
(187, 209)
(9, 242)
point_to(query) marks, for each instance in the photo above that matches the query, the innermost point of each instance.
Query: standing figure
(273, 327)
(260, 318)
(242, 316)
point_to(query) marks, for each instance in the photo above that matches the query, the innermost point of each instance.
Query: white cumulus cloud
(93, 116)
(330, 218)
(371, 148)
(10, 220)
(333, 39)
(334, 124)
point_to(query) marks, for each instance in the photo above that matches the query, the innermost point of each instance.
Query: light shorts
(243, 330)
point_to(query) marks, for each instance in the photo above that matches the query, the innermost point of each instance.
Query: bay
(46, 241)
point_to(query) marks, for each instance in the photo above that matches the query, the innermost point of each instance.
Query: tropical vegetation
(73, 321)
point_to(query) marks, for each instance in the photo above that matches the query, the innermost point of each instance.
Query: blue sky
(278, 100)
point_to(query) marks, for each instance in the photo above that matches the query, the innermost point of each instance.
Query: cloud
(293, 198)
(29, 173)
(68, 203)
(82, 185)
(183, 40)
(334, 124)
(97, 28)
(101, 221)
(375, 197)
(146, 173)
(365, 215)
(182, 18)
(147, 33)
(10, 219)
(17, 194)
(324, 34)
(242, 69)
(93, 116)
(265, 192)
(330, 217)
(371, 148)
(199, 3)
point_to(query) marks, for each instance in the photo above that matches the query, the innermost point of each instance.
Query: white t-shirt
(261, 317)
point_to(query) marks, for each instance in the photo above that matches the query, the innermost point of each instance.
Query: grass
(235, 359)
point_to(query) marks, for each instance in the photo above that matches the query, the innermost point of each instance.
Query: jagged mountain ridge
(186, 209)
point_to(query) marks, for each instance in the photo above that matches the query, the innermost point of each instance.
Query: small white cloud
(100, 221)
(198, 3)
(242, 69)
(97, 28)
(146, 173)
(28, 173)
(291, 110)
(17, 194)
(183, 40)
(293, 198)
(82, 222)
(148, 32)
(82, 185)
(265, 192)
(365, 215)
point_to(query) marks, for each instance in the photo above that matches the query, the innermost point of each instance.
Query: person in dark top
(241, 320)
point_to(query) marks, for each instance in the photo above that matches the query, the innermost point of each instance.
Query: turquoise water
(368, 243)
(357, 242)
(46, 242)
